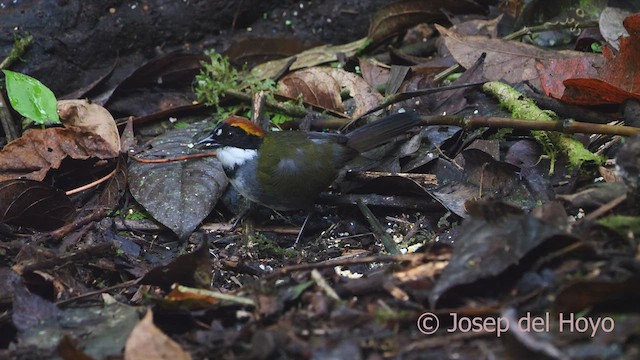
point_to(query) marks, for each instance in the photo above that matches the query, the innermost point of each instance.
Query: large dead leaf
(322, 86)
(42, 325)
(485, 177)
(508, 61)
(34, 204)
(192, 269)
(91, 117)
(399, 16)
(587, 293)
(253, 51)
(453, 101)
(487, 247)
(589, 82)
(374, 74)
(312, 57)
(178, 194)
(39, 150)
(146, 341)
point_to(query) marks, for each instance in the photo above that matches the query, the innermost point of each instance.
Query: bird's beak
(205, 140)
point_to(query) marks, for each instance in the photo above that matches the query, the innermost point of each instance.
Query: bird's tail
(381, 131)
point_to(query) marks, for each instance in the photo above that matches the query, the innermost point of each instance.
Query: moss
(269, 248)
(578, 154)
(553, 143)
(218, 77)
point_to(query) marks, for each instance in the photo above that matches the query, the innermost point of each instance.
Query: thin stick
(396, 98)
(91, 184)
(66, 229)
(565, 126)
(18, 50)
(173, 159)
(8, 124)
(97, 250)
(605, 208)
(324, 285)
(378, 229)
(357, 261)
(98, 292)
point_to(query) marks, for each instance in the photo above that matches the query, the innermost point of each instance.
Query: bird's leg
(246, 218)
(239, 218)
(247, 208)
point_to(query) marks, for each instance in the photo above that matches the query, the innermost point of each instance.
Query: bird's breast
(233, 157)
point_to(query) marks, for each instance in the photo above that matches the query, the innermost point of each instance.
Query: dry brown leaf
(374, 73)
(398, 16)
(38, 150)
(322, 86)
(146, 341)
(509, 61)
(91, 117)
(312, 57)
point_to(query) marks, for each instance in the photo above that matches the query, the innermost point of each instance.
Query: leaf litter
(497, 233)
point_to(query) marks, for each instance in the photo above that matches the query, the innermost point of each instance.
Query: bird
(287, 170)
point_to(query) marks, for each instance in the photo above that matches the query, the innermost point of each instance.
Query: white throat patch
(232, 157)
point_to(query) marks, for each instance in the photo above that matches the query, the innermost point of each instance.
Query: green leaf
(31, 98)
(297, 290)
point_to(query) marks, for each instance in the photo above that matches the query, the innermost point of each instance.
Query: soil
(77, 43)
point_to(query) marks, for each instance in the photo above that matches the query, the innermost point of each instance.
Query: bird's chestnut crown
(236, 132)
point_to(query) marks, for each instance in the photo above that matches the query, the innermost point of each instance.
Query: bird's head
(236, 140)
(234, 132)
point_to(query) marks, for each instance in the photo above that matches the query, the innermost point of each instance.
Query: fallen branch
(563, 126)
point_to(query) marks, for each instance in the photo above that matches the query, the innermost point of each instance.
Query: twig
(216, 295)
(395, 98)
(73, 257)
(604, 209)
(8, 125)
(550, 26)
(357, 261)
(565, 126)
(173, 159)
(18, 50)
(414, 229)
(378, 230)
(289, 109)
(62, 231)
(285, 68)
(257, 109)
(324, 285)
(91, 184)
(98, 292)
(6, 119)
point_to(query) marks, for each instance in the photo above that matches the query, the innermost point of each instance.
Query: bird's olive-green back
(295, 166)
